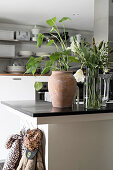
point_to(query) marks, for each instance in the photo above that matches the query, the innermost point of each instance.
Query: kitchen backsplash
(31, 46)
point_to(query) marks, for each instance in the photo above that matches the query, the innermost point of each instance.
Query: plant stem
(62, 43)
(55, 37)
(65, 34)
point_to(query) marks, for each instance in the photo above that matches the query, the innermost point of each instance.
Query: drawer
(17, 88)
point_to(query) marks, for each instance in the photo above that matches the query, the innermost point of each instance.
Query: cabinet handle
(16, 78)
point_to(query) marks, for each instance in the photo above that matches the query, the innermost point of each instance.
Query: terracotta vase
(62, 88)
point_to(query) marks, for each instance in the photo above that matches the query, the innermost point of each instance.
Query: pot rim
(61, 72)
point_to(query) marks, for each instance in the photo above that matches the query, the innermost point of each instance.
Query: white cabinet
(19, 87)
(14, 88)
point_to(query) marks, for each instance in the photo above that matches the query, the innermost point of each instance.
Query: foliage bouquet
(93, 57)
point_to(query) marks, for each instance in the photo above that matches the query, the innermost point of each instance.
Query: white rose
(79, 76)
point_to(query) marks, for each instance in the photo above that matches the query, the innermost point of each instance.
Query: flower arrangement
(93, 57)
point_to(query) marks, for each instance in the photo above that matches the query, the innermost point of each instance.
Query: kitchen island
(74, 138)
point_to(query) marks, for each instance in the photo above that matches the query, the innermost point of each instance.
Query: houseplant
(93, 57)
(62, 84)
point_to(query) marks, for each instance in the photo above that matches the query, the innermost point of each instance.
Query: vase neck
(62, 72)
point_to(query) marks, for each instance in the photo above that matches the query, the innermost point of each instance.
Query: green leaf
(93, 39)
(95, 49)
(50, 42)
(64, 19)
(66, 52)
(73, 59)
(55, 56)
(31, 70)
(100, 45)
(38, 59)
(38, 86)
(49, 63)
(84, 50)
(46, 69)
(34, 71)
(51, 22)
(29, 62)
(28, 71)
(40, 39)
(32, 65)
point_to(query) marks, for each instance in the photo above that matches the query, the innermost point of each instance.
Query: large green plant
(58, 60)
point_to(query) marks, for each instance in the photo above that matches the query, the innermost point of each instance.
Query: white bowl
(42, 54)
(16, 69)
(25, 53)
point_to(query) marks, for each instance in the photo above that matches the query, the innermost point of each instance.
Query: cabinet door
(17, 88)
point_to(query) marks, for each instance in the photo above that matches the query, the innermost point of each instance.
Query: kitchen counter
(45, 109)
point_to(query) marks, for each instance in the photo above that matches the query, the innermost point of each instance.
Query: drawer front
(17, 88)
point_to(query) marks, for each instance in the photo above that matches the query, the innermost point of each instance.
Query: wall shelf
(16, 41)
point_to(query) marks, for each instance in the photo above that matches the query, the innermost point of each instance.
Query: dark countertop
(45, 109)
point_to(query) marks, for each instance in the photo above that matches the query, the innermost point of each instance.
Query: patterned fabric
(16, 149)
(33, 139)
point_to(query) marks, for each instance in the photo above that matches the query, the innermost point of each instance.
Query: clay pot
(62, 88)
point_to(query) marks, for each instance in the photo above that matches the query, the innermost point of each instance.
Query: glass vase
(105, 87)
(92, 99)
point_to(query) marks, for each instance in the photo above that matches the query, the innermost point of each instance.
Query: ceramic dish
(42, 54)
(16, 69)
(25, 53)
